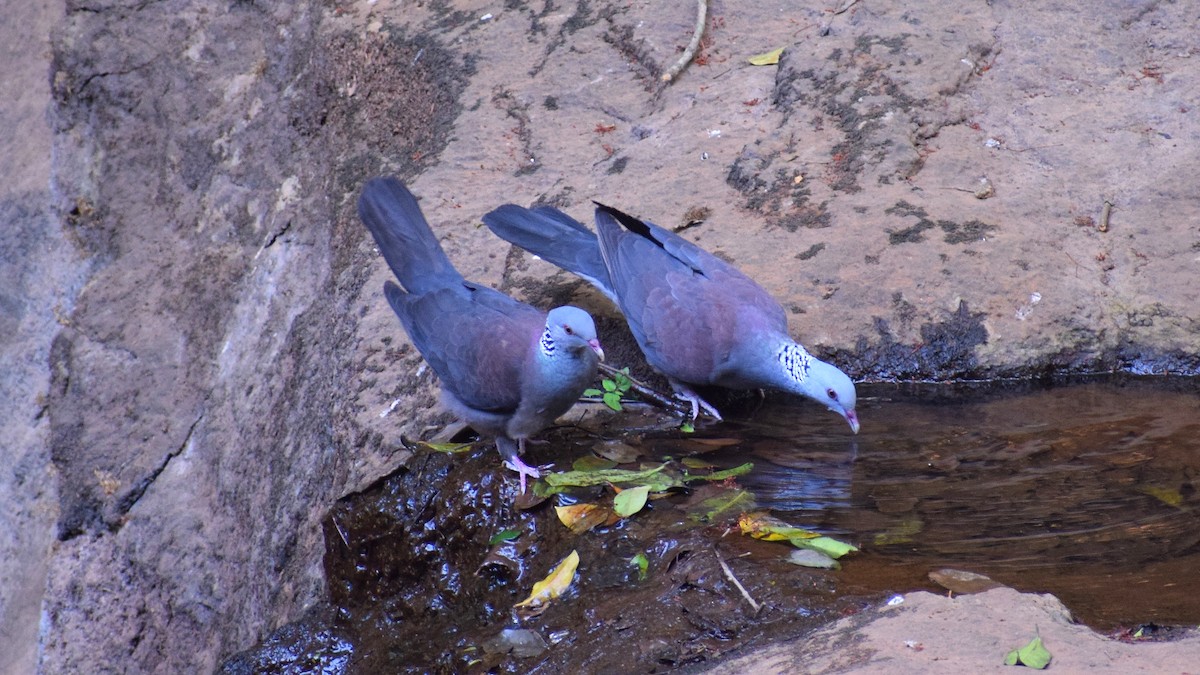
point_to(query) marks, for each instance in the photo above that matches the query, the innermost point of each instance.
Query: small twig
(690, 51)
(1077, 263)
(645, 390)
(1037, 147)
(846, 4)
(740, 587)
(1103, 226)
(338, 526)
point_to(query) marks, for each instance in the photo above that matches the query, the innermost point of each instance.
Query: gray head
(819, 381)
(833, 388)
(572, 329)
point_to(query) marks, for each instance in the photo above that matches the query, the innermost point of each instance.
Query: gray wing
(475, 338)
(554, 237)
(688, 309)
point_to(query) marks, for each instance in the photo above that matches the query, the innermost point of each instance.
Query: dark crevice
(130, 498)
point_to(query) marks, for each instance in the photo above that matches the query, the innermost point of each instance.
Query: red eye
(568, 329)
(831, 394)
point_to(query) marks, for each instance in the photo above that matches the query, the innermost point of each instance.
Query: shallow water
(1086, 491)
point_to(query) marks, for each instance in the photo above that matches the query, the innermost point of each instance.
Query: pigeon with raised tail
(506, 369)
(698, 319)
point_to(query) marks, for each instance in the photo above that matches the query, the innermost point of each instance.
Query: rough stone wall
(39, 276)
(195, 345)
(189, 404)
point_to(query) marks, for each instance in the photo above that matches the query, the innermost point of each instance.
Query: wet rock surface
(203, 366)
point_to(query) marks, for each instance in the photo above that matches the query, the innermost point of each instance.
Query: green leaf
(767, 59)
(687, 427)
(542, 489)
(631, 500)
(609, 385)
(731, 501)
(622, 381)
(503, 536)
(723, 474)
(447, 447)
(643, 564)
(613, 400)
(1033, 655)
(655, 478)
(591, 392)
(827, 545)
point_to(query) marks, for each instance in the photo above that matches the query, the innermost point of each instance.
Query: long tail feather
(411, 249)
(554, 237)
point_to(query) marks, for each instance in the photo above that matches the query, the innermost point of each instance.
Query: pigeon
(698, 319)
(506, 368)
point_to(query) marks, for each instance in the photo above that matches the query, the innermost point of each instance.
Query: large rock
(929, 633)
(39, 275)
(205, 154)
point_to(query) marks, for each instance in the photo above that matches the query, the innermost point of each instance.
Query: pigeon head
(830, 386)
(571, 329)
(804, 374)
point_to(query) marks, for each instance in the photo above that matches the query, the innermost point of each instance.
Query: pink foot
(684, 392)
(522, 469)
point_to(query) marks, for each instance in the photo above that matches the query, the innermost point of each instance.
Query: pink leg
(512, 459)
(523, 469)
(684, 392)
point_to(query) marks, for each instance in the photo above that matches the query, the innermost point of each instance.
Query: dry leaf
(768, 59)
(583, 517)
(762, 526)
(555, 584)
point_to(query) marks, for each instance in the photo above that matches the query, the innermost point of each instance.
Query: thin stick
(338, 526)
(845, 6)
(645, 391)
(740, 587)
(690, 52)
(1103, 226)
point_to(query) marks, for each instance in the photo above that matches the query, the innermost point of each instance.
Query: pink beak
(595, 345)
(852, 418)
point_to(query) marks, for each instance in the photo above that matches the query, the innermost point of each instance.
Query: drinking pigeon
(698, 319)
(507, 369)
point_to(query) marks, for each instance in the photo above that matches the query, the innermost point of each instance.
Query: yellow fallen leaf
(762, 526)
(555, 584)
(768, 59)
(902, 533)
(583, 517)
(1168, 496)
